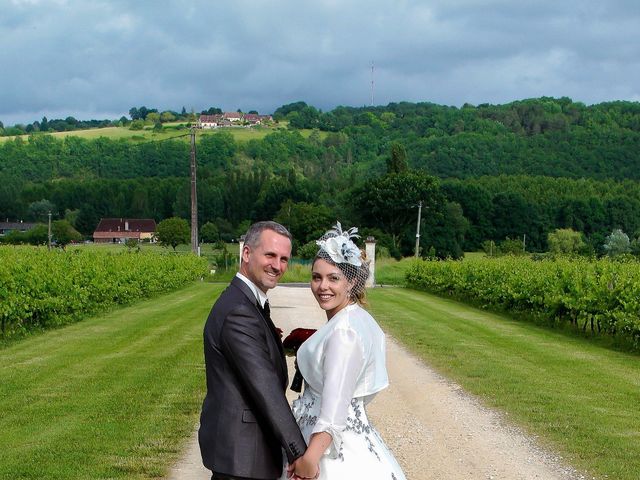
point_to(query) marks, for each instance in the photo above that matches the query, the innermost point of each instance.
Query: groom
(246, 420)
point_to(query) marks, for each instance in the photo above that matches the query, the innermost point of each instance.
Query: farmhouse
(231, 119)
(119, 230)
(6, 227)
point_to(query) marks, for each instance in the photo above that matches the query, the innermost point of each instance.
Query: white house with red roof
(119, 230)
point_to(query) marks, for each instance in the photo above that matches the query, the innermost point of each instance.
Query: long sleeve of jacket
(244, 340)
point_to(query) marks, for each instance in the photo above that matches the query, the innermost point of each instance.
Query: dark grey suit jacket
(246, 420)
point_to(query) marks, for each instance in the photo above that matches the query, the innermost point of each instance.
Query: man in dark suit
(246, 421)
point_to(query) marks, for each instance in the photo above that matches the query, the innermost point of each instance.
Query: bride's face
(330, 287)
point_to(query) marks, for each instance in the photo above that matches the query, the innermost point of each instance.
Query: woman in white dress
(343, 365)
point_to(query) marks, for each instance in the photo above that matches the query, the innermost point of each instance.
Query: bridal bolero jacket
(343, 360)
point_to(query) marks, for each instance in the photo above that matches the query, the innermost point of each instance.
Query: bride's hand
(304, 468)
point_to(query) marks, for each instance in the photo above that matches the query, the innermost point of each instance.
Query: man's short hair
(252, 237)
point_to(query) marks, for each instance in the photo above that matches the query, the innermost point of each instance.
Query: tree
(153, 117)
(397, 161)
(389, 202)
(305, 221)
(511, 246)
(209, 233)
(39, 210)
(445, 232)
(38, 235)
(173, 231)
(565, 241)
(617, 243)
(167, 117)
(63, 233)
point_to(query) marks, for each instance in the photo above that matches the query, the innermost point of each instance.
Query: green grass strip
(114, 396)
(582, 399)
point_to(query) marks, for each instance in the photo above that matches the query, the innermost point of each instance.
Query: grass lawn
(114, 396)
(582, 399)
(240, 134)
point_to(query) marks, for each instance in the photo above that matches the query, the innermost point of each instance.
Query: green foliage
(173, 231)
(209, 233)
(617, 243)
(39, 210)
(397, 161)
(63, 233)
(40, 289)
(565, 241)
(512, 246)
(444, 233)
(305, 221)
(500, 163)
(136, 125)
(307, 251)
(599, 295)
(389, 202)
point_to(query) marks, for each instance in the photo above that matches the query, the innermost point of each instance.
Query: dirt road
(434, 428)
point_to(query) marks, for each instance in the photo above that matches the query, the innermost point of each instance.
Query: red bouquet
(291, 345)
(296, 338)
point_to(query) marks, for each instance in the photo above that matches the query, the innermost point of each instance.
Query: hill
(500, 164)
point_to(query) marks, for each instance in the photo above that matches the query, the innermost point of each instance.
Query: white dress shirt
(260, 295)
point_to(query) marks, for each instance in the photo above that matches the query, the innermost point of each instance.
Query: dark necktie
(267, 310)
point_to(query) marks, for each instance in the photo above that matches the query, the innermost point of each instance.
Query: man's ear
(245, 253)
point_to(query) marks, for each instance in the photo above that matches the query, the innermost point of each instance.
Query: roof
(210, 118)
(133, 224)
(17, 225)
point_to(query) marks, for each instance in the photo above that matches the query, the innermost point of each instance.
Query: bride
(343, 365)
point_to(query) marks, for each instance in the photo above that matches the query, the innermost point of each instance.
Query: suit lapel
(269, 323)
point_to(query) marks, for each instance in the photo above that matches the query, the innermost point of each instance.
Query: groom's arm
(244, 343)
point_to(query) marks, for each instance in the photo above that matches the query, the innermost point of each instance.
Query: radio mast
(372, 84)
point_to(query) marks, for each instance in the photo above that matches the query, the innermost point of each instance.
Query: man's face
(267, 262)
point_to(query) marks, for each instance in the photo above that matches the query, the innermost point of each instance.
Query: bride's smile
(330, 287)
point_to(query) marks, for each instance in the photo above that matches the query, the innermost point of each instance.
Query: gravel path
(434, 428)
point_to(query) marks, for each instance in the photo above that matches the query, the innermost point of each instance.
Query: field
(114, 396)
(600, 297)
(41, 289)
(170, 130)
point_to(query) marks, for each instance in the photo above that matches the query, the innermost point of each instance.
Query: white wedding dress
(343, 365)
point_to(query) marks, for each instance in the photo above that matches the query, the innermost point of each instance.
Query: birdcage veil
(338, 248)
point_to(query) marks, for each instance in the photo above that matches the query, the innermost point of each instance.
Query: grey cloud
(102, 57)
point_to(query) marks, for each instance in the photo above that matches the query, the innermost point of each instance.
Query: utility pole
(49, 232)
(418, 228)
(524, 243)
(194, 197)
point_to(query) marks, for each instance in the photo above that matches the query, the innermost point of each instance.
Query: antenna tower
(372, 84)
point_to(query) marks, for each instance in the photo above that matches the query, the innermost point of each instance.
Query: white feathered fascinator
(339, 246)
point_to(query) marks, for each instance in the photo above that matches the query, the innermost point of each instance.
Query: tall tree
(390, 202)
(397, 161)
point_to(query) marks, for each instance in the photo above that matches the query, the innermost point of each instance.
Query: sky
(97, 59)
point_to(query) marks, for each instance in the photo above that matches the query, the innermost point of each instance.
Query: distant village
(233, 119)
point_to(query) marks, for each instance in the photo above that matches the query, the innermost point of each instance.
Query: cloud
(97, 59)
